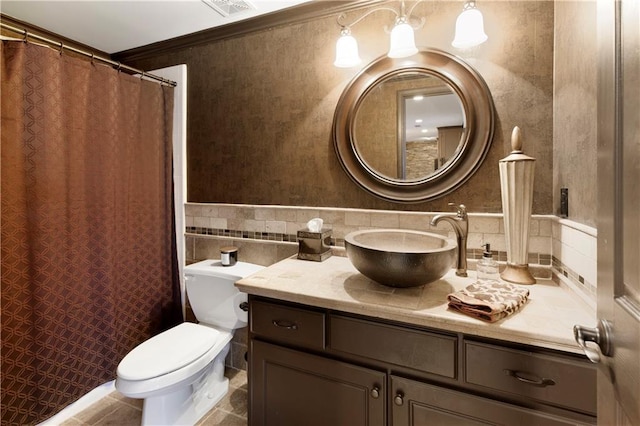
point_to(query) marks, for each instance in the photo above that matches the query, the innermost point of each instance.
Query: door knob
(600, 335)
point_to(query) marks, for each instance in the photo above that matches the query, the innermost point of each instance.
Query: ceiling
(117, 25)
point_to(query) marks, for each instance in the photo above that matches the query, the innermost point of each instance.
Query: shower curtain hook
(26, 36)
(119, 66)
(92, 56)
(142, 75)
(61, 47)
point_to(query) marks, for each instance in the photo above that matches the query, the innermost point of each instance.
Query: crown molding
(293, 15)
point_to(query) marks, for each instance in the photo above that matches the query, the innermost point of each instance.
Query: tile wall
(575, 258)
(558, 248)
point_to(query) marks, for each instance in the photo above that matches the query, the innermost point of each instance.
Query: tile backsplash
(268, 234)
(558, 248)
(279, 224)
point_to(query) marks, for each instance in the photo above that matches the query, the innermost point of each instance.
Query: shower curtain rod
(62, 46)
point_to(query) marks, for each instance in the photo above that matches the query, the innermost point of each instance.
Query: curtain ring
(142, 75)
(92, 56)
(61, 47)
(119, 66)
(26, 36)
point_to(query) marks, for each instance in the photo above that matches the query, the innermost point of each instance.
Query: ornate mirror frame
(479, 115)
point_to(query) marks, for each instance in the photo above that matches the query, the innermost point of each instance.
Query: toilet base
(187, 405)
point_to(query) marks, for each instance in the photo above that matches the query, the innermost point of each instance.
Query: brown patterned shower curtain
(88, 245)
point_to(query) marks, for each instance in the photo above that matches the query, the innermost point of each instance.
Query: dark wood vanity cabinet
(291, 387)
(310, 366)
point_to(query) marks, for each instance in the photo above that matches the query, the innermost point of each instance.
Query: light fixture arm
(343, 16)
(401, 15)
(413, 7)
(469, 4)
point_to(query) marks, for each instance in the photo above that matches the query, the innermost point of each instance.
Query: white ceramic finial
(516, 146)
(516, 140)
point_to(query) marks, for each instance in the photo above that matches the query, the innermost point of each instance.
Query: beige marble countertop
(546, 320)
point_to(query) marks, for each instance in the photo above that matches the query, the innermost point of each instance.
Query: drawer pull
(289, 325)
(399, 399)
(375, 392)
(518, 375)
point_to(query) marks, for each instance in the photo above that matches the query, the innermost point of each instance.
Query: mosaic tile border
(251, 235)
(578, 280)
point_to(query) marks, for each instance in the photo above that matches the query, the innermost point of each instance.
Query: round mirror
(416, 128)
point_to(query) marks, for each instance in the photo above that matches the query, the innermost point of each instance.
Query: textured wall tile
(255, 225)
(534, 228)
(265, 213)
(487, 225)
(228, 212)
(276, 226)
(304, 216)
(218, 223)
(286, 214)
(385, 220)
(417, 221)
(357, 218)
(201, 222)
(544, 229)
(539, 244)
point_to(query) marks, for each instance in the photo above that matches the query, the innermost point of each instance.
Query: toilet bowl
(180, 373)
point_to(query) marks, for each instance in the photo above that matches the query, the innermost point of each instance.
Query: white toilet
(180, 373)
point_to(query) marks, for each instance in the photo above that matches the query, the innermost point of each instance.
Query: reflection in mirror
(409, 126)
(431, 122)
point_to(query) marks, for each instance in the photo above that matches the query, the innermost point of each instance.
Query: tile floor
(117, 410)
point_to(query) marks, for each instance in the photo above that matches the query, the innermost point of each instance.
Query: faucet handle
(461, 208)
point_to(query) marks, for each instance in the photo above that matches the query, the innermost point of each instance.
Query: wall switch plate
(564, 202)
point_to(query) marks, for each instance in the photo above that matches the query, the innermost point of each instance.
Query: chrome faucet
(460, 225)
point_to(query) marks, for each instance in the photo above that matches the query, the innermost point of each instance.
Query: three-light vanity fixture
(469, 33)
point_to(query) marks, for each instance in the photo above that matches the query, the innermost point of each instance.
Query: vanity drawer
(286, 324)
(560, 381)
(420, 350)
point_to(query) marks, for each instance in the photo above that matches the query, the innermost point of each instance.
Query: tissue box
(314, 246)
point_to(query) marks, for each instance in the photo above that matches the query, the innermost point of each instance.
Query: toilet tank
(212, 294)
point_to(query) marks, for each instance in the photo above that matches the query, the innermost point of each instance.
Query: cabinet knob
(375, 392)
(399, 399)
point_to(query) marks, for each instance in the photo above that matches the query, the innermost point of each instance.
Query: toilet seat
(167, 351)
(175, 375)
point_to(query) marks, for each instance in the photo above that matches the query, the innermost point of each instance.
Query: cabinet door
(288, 387)
(420, 404)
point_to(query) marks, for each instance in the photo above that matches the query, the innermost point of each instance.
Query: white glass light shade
(346, 51)
(469, 29)
(403, 42)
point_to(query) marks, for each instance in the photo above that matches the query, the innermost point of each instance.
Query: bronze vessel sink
(400, 258)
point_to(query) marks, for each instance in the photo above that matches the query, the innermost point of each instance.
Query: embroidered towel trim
(490, 301)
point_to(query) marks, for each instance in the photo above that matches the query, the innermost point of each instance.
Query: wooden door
(292, 388)
(619, 210)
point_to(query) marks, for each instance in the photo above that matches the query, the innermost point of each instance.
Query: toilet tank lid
(167, 351)
(213, 267)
